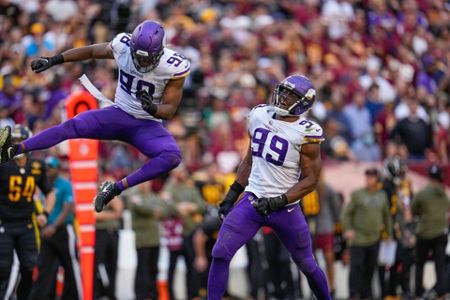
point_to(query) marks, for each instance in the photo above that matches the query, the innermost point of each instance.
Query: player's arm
(238, 185)
(310, 164)
(200, 239)
(100, 51)
(170, 100)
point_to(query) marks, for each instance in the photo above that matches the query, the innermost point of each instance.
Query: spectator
(183, 197)
(324, 224)
(358, 115)
(59, 244)
(362, 220)
(415, 133)
(431, 205)
(398, 188)
(146, 210)
(203, 241)
(107, 227)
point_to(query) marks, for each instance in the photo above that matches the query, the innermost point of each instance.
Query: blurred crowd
(381, 69)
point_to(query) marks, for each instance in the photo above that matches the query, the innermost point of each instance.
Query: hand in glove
(265, 206)
(43, 63)
(147, 102)
(233, 194)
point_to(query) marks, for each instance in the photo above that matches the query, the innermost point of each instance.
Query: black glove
(43, 63)
(233, 194)
(147, 102)
(265, 206)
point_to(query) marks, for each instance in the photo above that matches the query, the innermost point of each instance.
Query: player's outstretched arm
(310, 164)
(100, 51)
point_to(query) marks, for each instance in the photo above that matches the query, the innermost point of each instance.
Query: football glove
(265, 206)
(233, 194)
(43, 63)
(146, 102)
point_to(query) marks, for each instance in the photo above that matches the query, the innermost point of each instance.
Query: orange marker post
(83, 155)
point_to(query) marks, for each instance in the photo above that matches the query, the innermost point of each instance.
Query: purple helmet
(294, 95)
(147, 45)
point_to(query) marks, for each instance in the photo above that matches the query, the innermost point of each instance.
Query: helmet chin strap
(281, 112)
(286, 112)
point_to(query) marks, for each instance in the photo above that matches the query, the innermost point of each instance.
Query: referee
(18, 180)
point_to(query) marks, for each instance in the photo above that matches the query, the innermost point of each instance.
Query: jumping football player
(281, 166)
(150, 87)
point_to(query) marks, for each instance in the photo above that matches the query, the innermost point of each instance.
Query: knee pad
(76, 127)
(306, 264)
(220, 251)
(172, 157)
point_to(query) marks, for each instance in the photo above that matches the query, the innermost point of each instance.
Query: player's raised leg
(240, 225)
(292, 229)
(153, 140)
(104, 124)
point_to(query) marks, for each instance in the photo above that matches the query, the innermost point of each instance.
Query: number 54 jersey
(171, 66)
(275, 147)
(17, 188)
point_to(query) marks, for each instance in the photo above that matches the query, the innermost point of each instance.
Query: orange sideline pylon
(83, 155)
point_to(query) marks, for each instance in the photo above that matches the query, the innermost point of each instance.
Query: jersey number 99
(278, 147)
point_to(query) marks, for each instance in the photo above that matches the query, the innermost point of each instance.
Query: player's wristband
(237, 187)
(152, 108)
(56, 60)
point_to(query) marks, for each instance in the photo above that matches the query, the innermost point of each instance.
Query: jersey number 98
(278, 147)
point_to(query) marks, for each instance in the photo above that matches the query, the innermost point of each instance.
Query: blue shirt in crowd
(63, 194)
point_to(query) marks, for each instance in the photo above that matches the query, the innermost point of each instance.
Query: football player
(282, 165)
(149, 89)
(18, 180)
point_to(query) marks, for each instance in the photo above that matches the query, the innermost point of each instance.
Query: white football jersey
(275, 147)
(171, 66)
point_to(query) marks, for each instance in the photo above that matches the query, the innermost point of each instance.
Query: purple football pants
(242, 223)
(112, 123)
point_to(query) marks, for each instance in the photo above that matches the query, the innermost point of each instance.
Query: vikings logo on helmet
(147, 45)
(294, 96)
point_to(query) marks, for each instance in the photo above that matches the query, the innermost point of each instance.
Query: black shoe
(108, 190)
(6, 146)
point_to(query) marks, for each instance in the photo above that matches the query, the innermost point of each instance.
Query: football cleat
(6, 146)
(108, 190)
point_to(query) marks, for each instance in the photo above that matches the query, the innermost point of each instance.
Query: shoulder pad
(121, 43)
(174, 65)
(312, 131)
(257, 109)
